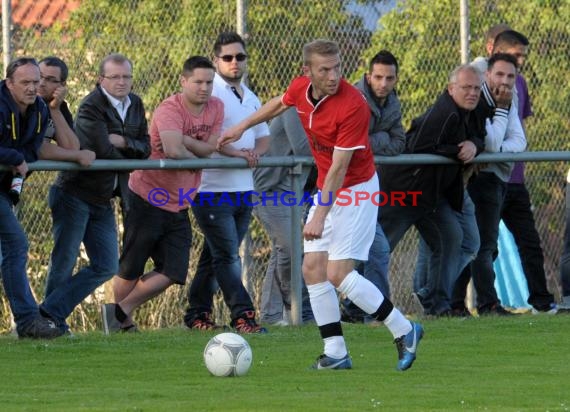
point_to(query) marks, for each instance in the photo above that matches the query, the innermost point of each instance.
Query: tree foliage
(159, 36)
(425, 37)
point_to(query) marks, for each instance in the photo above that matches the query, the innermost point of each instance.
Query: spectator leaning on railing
(446, 128)
(111, 122)
(488, 187)
(23, 124)
(387, 138)
(184, 126)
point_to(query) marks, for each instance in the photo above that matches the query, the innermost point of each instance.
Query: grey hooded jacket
(386, 133)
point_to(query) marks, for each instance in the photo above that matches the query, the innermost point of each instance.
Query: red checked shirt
(338, 122)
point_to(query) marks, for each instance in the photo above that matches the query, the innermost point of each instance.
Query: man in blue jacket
(23, 123)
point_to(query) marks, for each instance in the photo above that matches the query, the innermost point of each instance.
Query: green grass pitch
(485, 364)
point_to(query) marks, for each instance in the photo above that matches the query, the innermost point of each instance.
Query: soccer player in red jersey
(335, 117)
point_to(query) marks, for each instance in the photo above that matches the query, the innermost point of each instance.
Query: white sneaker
(564, 306)
(552, 311)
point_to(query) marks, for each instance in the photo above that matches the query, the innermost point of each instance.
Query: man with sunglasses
(223, 204)
(23, 123)
(111, 122)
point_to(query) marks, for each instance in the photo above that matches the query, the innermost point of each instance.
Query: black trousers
(488, 193)
(517, 216)
(565, 260)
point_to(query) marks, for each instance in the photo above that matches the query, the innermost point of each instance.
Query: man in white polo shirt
(223, 205)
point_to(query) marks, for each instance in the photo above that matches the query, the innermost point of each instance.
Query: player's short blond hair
(321, 47)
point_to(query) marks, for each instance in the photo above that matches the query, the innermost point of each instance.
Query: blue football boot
(407, 346)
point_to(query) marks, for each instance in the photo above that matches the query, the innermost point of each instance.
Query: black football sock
(120, 314)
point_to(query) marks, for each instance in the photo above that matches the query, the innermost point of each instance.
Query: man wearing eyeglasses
(52, 89)
(111, 122)
(61, 142)
(446, 128)
(225, 218)
(23, 123)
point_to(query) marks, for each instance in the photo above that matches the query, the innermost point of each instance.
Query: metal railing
(295, 163)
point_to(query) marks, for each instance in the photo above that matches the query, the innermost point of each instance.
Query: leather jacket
(96, 119)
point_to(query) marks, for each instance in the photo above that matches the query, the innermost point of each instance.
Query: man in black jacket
(446, 129)
(111, 122)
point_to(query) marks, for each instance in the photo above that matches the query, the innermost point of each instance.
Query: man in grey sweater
(387, 138)
(287, 139)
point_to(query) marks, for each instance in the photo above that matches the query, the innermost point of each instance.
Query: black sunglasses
(229, 57)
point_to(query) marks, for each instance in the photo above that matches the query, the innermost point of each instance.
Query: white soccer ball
(228, 354)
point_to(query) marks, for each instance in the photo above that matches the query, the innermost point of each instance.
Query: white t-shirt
(234, 180)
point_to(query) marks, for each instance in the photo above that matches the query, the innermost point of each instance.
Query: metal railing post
(464, 29)
(296, 248)
(6, 34)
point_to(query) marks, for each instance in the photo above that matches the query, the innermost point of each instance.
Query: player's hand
(85, 157)
(229, 136)
(58, 97)
(467, 151)
(313, 229)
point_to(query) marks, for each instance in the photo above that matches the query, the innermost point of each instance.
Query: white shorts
(350, 225)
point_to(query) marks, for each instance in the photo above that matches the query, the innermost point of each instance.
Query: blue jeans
(376, 268)
(469, 247)
(276, 287)
(442, 233)
(76, 221)
(14, 246)
(488, 193)
(224, 225)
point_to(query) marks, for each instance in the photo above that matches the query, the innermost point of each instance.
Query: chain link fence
(425, 36)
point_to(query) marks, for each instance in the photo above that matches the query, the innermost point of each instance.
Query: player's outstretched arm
(268, 111)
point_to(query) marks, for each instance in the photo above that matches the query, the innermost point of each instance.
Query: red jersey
(340, 122)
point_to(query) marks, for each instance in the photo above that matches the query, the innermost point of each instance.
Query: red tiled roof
(41, 13)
